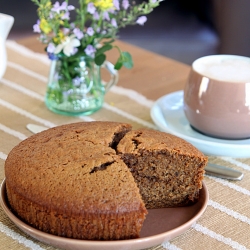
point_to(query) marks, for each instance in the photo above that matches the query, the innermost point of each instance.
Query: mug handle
(113, 73)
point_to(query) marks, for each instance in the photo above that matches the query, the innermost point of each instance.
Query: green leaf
(103, 49)
(118, 65)
(127, 60)
(99, 60)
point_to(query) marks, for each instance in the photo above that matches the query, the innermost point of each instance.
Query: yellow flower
(102, 4)
(44, 26)
(59, 38)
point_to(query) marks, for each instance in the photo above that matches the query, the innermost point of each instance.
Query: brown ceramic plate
(160, 226)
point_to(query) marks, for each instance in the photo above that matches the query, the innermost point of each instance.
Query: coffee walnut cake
(96, 180)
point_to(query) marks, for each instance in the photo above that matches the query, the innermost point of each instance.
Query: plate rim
(191, 139)
(132, 244)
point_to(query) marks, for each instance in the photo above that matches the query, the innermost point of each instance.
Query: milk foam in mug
(217, 96)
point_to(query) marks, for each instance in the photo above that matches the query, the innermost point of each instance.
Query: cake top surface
(151, 140)
(74, 167)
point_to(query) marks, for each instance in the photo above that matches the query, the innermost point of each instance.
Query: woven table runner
(226, 221)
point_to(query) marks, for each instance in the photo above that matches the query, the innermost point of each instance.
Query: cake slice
(167, 169)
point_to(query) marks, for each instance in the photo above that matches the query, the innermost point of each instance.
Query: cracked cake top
(78, 163)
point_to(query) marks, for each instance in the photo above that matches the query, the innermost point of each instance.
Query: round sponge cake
(94, 180)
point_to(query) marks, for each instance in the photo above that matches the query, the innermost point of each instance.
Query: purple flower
(141, 20)
(65, 7)
(67, 93)
(106, 16)
(51, 48)
(77, 81)
(52, 56)
(125, 4)
(96, 16)
(36, 27)
(65, 16)
(90, 50)
(56, 7)
(66, 31)
(116, 4)
(90, 31)
(78, 33)
(71, 7)
(113, 22)
(91, 8)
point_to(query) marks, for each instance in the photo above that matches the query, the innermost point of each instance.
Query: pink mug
(217, 96)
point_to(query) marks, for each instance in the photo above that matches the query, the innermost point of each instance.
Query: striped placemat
(226, 221)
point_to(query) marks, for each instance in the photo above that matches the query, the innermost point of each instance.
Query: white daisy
(68, 46)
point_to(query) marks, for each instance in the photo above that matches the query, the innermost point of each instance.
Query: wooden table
(226, 221)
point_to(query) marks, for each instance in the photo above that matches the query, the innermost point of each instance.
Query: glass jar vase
(75, 86)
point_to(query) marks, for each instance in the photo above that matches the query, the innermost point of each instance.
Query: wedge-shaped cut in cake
(167, 169)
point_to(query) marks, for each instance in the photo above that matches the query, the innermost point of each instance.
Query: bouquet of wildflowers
(93, 30)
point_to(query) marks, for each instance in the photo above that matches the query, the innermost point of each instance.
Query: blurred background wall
(180, 29)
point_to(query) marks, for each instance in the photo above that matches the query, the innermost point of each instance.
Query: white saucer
(168, 115)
